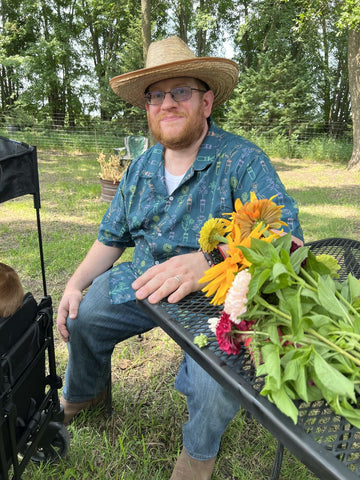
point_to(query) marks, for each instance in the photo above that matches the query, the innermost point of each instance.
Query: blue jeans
(99, 326)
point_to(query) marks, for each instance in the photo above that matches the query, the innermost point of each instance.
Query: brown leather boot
(187, 468)
(73, 408)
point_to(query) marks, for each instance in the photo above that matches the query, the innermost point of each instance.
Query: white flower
(235, 301)
(213, 323)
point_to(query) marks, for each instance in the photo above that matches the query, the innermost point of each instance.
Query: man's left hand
(175, 278)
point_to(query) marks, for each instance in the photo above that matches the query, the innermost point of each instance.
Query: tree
(354, 83)
(146, 26)
(17, 31)
(346, 14)
(273, 94)
(105, 33)
(275, 85)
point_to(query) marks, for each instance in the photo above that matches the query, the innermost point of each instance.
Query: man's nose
(168, 100)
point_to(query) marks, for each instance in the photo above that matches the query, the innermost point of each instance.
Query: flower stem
(350, 307)
(221, 239)
(337, 294)
(334, 346)
(270, 307)
(309, 278)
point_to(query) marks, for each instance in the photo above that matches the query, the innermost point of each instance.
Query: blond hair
(11, 291)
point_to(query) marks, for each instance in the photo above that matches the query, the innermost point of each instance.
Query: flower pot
(108, 189)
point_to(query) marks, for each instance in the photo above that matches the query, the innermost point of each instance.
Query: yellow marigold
(212, 233)
(247, 216)
(220, 278)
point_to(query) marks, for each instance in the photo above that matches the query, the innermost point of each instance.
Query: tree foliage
(272, 93)
(57, 56)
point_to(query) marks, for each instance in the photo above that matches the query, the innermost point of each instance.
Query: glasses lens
(155, 98)
(180, 94)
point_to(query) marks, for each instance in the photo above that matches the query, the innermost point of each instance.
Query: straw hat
(172, 58)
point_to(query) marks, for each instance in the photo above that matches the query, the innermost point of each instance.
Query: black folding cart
(31, 416)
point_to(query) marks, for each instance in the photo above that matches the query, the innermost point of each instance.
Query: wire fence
(93, 134)
(87, 135)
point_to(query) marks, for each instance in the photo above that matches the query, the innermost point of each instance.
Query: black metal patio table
(326, 443)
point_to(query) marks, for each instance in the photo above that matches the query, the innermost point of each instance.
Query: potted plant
(111, 171)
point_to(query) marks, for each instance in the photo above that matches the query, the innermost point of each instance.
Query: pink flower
(228, 335)
(235, 301)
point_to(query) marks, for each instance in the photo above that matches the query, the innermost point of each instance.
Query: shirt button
(156, 262)
(171, 198)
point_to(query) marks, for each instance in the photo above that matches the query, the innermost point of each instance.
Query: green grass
(143, 437)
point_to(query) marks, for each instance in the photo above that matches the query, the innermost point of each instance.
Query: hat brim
(221, 74)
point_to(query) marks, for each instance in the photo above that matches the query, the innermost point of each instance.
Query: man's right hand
(69, 306)
(99, 258)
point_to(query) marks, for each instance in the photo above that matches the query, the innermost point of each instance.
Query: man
(195, 171)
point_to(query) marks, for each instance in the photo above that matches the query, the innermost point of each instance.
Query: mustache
(165, 115)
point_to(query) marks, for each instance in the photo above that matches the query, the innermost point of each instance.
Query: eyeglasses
(179, 94)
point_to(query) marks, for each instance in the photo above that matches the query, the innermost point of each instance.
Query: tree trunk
(145, 26)
(354, 85)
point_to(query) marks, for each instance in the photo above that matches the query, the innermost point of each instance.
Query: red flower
(228, 335)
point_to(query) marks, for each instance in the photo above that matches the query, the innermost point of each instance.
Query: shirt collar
(208, 147)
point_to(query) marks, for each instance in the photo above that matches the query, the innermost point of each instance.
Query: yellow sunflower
(247, 216)
(212, 233)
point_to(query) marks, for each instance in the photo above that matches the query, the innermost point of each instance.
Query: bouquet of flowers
(283, 303)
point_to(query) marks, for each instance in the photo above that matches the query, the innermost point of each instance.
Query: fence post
(96, 144)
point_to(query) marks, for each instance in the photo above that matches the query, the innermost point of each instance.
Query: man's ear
(208, 99)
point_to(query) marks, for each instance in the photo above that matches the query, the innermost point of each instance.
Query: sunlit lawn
(143, 437)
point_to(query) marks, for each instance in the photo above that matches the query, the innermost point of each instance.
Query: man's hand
(176, 278)
(69, 306)
(98, 260)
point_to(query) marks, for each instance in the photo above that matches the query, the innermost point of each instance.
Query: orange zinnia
(247, 216)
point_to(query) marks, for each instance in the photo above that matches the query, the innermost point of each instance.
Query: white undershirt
(172, 181)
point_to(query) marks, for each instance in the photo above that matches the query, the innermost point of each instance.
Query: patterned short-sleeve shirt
(160, 225)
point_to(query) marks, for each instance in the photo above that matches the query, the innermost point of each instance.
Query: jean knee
(82, 320)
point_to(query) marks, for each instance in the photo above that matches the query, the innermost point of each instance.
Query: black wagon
(31, 427)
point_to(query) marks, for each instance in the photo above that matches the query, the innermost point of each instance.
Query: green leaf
(307, 292)
(263, 253)
(327, 298)
(290, 302)
(313, 266)
(279, 269)
(273, 333)
(284, 404)
(301, 383)
(354, 287)
(347, 411)
(283, 242)
(298, 257)
(280, 283)
(256, 282)
(319, 321)
(330, 381)
(291, 370)
(330, 262)
(258, 254)
(271, 358)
